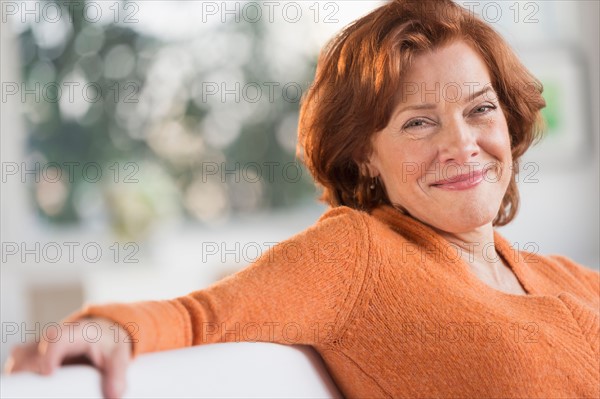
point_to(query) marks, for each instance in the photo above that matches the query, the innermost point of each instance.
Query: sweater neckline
(425, 235)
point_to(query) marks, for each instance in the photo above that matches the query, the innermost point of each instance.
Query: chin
(466, 219)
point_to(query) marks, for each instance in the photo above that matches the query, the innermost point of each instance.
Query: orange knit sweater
(393, 312)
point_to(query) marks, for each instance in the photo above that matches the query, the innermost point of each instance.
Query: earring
(372, 186)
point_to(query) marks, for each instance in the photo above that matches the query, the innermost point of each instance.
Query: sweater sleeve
(300, 291)
(587, 276)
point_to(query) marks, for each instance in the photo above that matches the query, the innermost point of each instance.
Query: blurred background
(147, 148)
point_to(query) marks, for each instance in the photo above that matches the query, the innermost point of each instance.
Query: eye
(415, 124)
(484, 109)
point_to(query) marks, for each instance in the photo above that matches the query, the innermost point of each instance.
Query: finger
(114, 375)
(9, 365)
(23, 358)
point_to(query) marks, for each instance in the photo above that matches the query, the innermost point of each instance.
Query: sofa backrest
(244, 369)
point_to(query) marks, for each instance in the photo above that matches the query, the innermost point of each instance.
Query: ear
(366, 169)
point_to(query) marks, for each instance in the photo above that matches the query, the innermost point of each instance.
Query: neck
(475, 246)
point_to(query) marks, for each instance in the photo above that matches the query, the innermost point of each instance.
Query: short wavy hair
(357, 82)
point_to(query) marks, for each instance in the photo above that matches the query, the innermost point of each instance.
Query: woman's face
(445, 129)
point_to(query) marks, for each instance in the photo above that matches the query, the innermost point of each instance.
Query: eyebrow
(433, 105)
(479, 93)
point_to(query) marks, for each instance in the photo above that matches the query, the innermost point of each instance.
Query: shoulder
(566, 273)
(587, 275)
(341, 214)
(341, 221)
(346, 216)
(337, 236)
(354, 224)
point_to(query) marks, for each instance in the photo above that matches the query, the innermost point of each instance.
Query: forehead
(454, 67)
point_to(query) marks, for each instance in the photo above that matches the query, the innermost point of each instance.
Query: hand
(109, 355)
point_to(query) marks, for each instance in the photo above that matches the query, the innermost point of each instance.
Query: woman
(414, 128)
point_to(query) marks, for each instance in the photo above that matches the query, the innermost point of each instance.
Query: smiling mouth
(461, 182)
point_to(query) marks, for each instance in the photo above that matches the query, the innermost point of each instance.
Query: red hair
(357, 83)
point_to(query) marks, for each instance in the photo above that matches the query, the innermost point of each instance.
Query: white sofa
(244, 369)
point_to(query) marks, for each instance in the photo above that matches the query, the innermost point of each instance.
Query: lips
(472, 176)
(465, 181)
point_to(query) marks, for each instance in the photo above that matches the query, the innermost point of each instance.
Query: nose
(458, 143)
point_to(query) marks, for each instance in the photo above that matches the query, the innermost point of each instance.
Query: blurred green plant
(147, 123)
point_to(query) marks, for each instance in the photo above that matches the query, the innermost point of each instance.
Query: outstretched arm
(300, 291)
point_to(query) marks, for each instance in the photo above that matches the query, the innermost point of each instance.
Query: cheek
(495, 140)
(496, 143)
(406, 165)
(401, 159)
